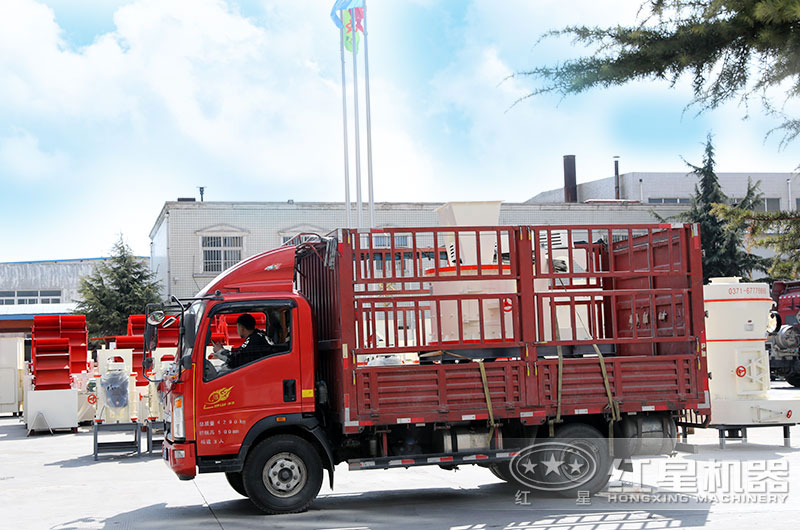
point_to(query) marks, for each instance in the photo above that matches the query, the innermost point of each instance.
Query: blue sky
(108, 108)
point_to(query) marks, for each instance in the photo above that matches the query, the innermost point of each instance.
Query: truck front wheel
(282, 474)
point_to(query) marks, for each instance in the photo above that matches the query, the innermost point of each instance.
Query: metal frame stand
(739, 433)
(151, 426)
(118, 447)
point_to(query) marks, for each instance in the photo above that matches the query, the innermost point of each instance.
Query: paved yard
(53, 482)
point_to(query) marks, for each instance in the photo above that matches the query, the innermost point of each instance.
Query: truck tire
(591, 440)
(793, 379)
(236, 482)
(282, 474)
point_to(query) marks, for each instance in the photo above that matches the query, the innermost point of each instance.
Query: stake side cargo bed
(632, 293)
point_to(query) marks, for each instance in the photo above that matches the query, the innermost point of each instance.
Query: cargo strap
(612, 405)
(492, 424)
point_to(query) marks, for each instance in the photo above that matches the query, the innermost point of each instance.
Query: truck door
(255, 375)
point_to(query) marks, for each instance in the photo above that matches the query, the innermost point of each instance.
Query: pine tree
(777, 231)
(723, 249)
(118, 287)
(729, 48)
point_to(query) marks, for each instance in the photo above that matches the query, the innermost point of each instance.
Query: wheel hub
(284, 474)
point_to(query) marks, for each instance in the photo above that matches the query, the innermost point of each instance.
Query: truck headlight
(178, 426)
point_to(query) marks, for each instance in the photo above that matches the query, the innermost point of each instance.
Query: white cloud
(21, 157)
(190, 92)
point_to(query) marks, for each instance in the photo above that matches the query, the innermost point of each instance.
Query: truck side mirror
(188, 328)
(155, 318)
(147, 364)
(150, 336)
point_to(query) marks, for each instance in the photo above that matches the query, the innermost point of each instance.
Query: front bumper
(180, 457)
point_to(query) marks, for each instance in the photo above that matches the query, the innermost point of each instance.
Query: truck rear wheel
(235, 480)
(586, 438)
(282, 474)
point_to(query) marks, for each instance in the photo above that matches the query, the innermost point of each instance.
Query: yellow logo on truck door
(218, 398)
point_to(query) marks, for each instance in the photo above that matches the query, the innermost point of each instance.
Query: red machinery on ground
(526, 335)
(59, 346)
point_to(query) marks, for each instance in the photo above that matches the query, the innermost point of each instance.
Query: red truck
(783, 341)
(442, 346)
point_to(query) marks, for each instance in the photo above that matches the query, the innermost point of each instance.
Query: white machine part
(12, 361)
(737, 358)
(117, 398)
(51, 409)
(497, 315)
(151, 406)
(472, 213)
(87, 400)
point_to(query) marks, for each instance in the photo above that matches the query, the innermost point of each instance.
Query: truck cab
(217, 412)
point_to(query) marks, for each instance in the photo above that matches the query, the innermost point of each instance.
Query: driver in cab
(255, 345)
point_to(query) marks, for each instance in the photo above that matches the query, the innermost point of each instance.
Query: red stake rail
(634, 292)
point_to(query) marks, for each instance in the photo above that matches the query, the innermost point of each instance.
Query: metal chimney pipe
(616, 178)
(570, 182)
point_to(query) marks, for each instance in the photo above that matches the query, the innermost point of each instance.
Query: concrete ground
(52, 482)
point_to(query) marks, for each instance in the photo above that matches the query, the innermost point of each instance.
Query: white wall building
(30, 288)
(192, 242)
(43, 282)
(781, 191)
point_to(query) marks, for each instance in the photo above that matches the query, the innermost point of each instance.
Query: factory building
(50, 287)
(781, 191)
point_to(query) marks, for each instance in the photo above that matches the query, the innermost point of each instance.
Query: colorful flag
(344, 5)
(349, 34)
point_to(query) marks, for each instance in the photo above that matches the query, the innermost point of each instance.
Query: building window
(669, 200)
(304, 239)
(771, 204)
(30, 297)
(221, 252)
(382, 241)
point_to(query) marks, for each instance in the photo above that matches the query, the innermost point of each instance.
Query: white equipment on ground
(12, 362)
(46, 410)
(738, 362)
(117, 399)
(151, 407)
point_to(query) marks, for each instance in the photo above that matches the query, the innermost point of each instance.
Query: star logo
(575, 467)
(528, 466)
(553, 465)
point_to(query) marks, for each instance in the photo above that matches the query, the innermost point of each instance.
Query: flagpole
(346, 143)
(359, 203)
(369, 124)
